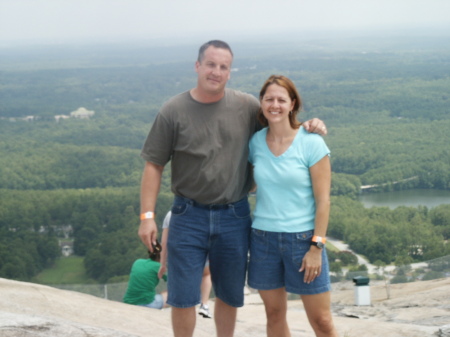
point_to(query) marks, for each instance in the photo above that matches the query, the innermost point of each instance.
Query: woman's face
(276, 104)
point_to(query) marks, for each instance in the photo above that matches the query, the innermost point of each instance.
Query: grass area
(331, 247)
(67, 270)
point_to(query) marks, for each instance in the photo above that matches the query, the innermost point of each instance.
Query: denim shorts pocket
(259, 245)
(179, 207)
(301, 242)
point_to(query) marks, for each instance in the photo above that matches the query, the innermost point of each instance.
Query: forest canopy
(385, 103)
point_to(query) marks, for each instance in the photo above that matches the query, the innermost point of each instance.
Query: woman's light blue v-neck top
(284, 196)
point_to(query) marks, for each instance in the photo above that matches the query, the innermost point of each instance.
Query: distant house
(29, 118)
(82, 113)
(66, 247)
(26, 119)
(58, 117)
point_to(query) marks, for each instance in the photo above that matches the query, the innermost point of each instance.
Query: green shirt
(143, 281)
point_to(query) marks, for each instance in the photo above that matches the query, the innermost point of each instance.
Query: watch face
(320, 245)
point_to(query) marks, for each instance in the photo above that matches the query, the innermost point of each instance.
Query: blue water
(414, 198)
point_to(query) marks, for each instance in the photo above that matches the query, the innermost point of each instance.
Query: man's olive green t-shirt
(207, 144)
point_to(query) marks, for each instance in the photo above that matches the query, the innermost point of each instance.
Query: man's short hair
(214, 43)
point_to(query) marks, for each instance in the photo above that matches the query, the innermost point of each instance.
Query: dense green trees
(386, 111)
(390, 153)
(101, 221)
(24, 254)
(345, 184)
(440, 217)
(104, 225)
(379, 106)
(388, 235)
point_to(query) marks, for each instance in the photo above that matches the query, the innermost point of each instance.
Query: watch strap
(317, 238)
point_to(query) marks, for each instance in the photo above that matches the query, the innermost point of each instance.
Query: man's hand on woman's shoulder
(316, 125)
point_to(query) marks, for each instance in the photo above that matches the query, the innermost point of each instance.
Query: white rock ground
(418, 309)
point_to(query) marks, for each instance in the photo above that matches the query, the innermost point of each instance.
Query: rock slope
(418, 309)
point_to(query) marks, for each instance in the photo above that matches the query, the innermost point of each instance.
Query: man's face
(214, 70)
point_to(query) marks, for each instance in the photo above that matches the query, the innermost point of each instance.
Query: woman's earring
(290, 112)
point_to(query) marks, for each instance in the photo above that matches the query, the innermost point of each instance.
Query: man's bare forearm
(150, 185)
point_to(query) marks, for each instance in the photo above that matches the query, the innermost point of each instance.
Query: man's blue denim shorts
(217, 232)
(275, 260)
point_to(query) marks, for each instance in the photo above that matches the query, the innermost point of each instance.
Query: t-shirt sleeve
(158, 146)
(316, 148)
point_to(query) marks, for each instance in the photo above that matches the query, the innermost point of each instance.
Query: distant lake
(414, 198)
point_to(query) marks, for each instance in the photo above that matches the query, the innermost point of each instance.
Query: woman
(293, 174)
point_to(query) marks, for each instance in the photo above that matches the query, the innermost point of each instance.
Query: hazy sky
(67, 20)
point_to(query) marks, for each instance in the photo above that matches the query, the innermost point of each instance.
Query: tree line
(104, 223)
(32, 222)
(386, 113)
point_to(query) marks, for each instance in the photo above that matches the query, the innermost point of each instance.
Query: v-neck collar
(267, 148)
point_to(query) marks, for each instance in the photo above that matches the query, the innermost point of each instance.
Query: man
(205, 134)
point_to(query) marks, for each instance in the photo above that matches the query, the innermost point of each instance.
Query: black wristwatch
(318, 241)
(320, 245)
